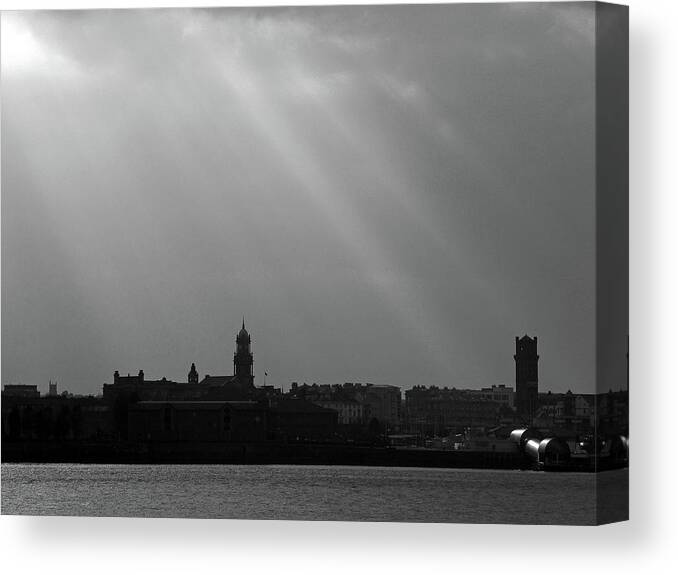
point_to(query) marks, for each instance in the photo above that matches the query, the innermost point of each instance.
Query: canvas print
(363, 263)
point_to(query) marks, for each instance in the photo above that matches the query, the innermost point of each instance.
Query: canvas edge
(612, 231)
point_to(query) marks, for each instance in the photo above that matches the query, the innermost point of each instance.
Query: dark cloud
(388, 194)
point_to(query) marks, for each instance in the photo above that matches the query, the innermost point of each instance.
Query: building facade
(383, 403)
(236, 421)
(441, 411)
(499, 393)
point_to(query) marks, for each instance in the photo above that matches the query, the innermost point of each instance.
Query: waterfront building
(340, 398)
(60, 418)
(440, 411)
(295, 420)
(236, 387)
(20, 390)
(356, 403)
(231, 421)
(220, 408)
(569, 413)
(381, 402)
(499, 393)
(349, 411)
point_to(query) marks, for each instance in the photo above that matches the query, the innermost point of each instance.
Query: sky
(386, 194)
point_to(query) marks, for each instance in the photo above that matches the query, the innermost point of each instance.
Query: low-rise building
(498, 393)
(349, 411)
(565, 411)
(439, 411)
(301, 420)
(62, 418)
(20, 390)
(381, 402)
(356, 403)
(234, 421)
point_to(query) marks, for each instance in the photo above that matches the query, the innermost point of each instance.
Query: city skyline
(382, 204)
(195, 374)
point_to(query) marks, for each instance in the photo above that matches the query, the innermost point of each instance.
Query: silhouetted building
(349, 411)
(338, 398)
(52, 389)
(499, 393)
(236, 387)
(355, 403)
(300, 420)
(565, 414)
(381, 402)
(227, 421)
(243, 359)
(219, 408)
(527, 378)
(439, 411)
(193, 374)
(20, 390)
(60, 418)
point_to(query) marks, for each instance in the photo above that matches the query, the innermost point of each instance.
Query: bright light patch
(19, 47)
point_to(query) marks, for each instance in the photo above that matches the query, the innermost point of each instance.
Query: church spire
(243, 358)
(193, 374)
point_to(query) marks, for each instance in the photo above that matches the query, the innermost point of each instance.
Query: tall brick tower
(527, 378)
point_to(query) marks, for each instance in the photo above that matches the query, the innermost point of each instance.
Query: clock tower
(243, 359)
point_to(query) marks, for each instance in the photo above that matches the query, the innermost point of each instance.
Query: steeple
(243, 336)
(243, 359)
(193, 374)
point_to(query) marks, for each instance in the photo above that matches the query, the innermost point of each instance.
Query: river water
(339, 493)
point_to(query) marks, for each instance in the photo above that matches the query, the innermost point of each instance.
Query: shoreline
(278, 454)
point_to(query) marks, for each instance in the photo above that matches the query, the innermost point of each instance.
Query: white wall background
(645, 544)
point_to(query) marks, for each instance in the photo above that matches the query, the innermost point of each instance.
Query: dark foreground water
(303, 492)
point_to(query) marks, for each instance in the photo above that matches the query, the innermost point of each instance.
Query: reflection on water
(301, 492)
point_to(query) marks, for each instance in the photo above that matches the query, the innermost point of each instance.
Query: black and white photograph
(327, 263)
